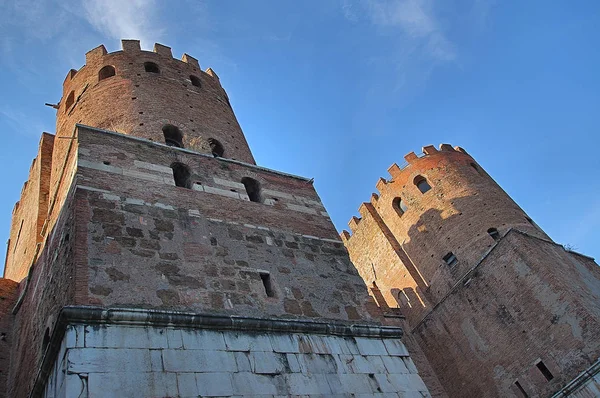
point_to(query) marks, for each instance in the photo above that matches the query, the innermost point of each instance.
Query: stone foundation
(166, 354)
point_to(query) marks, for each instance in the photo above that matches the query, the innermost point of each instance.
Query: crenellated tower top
(441, 211)
(151, 95)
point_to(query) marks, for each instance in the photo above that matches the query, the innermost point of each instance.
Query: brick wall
(30, 214)
(8, 297)
(140, 103)
(529, 300)
(207, 248)
(48, 288)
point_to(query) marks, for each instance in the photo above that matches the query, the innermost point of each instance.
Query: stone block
(267, 362)
(357, 384)
(410, 365)
(284, 343)
(186, 383)
(395, 365)
(214, 384)
(88, 360)
(198, 361)
(203, 339)
(367, 346)
(317, 363)
(246, 383)
(243, 361)
(395, 347)
(407, 382)
(247, 342)
(305, 384)
(174, 338)
(74, 336)
(132, 384)
(125, 337)
(156, 361)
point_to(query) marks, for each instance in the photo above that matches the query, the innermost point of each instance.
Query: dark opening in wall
(422, 184)
(46, 340)
(266, 280)
(106, 72)
(195, 80)
(70, 100)
(399, 206)
(521, 389)
(493, 232)
(450, 259)
(252, 189)
(182, 175)
(173, 136)
(151, 67)
(216, 147)
(545, 371)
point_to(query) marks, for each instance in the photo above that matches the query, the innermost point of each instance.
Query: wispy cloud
(118, 19)
(414, 21)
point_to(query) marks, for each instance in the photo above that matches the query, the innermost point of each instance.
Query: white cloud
(415, 21)
(124, 19)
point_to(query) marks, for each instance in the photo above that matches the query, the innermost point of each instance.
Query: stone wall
(148, 360)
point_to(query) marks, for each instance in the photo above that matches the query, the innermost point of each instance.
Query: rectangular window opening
(450, 259)
(521, 389)
(266, 280)
(545, 371)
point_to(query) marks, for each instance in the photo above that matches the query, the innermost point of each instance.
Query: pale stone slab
(267, 362)
(368, 346)
(186, 384)
(84, 360)
(245, 383)
(132, 384)
(395, 347)
(214, 384)
(228, 183)
(395, 365)
(198, 361)
(153, 167)
(203, 339)
(247, 342)
(126, 337)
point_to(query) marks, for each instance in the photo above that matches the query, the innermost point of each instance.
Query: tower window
(151, 67)
(252, 189)
(422, 184)
(182, 175)
(216, 147)
(173, 136)
(450, 259)
(493, 232)
(399, 205)
(545, 371)
(266, 280)
(195, 80)
(521, 389)
(70, 100)
(106, 72)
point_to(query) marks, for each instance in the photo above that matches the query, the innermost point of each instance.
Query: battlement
(395, 172)
(96, 55)
(426, 151)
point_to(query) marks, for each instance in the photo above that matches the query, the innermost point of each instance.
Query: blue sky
(338, 89)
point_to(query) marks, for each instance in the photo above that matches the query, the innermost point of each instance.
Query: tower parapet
(444, 212)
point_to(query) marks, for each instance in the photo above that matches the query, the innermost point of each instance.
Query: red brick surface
(481, 330)
(8, 298)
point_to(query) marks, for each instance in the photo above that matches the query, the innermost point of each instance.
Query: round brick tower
(153, 96)
(444, 213)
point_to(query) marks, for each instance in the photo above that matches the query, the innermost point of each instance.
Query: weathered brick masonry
(490, 299)
(156, 222)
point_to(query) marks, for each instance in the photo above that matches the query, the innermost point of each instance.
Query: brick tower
(150, 256)
(498, 308)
